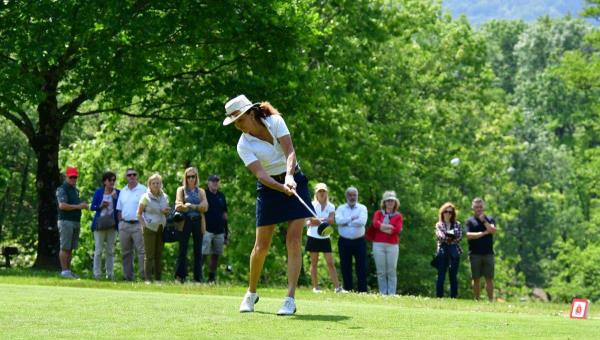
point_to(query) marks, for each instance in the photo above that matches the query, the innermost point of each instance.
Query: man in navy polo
(214, 240)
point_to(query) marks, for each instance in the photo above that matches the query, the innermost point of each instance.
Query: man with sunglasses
(480, 229)
(130, 230)
(69, 218)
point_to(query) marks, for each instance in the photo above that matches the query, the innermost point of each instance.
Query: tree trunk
(46, 146)
(47, 180)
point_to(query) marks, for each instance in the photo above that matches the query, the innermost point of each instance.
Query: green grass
(46, 307)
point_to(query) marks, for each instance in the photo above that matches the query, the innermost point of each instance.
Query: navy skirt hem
(273, 206)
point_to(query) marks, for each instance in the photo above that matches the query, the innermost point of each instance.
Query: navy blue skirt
(273, 206)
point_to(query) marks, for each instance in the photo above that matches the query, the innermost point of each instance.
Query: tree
(145, 59)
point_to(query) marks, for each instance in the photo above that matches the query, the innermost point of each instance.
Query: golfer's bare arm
(290, 154)
(264, 178)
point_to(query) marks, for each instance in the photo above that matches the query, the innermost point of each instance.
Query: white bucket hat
(236, 107)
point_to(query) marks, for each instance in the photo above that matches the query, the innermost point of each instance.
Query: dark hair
(263, 110)
(108, 175)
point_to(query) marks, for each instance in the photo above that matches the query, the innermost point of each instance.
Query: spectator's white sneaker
(288, 308)
(340, 290)
(248, 302)
(317, 290)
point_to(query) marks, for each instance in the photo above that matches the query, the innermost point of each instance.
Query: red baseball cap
(72, 171)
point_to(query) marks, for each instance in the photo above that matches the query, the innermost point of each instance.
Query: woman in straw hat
(266, 149)
(387, 224)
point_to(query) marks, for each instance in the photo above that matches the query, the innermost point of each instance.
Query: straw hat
(236, 107)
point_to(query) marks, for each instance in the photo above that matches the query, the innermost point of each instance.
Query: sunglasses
(191, 177)
(111, 179)
(448, 212)
(72, 177)
(131, 175)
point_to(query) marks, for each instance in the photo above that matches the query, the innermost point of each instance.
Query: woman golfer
(266, 148)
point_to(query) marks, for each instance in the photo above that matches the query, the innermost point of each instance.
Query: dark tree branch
(194, 73)
(147, 114)
(9, 58)
(24, 119)
(24, 126)
(70, 108)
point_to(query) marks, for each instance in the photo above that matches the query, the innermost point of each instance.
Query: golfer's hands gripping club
(290, 182)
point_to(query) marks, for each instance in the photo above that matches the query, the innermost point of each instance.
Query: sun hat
(390, 195)
(72, 171)
(320, 186)
(236, 107)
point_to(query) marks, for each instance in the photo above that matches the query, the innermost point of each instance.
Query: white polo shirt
(128, 202)
(347, 227)
(271, 156)
(322, 214)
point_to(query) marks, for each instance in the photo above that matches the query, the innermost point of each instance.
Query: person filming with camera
(449, 234)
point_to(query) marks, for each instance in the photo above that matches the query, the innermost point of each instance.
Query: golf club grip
(305, 205)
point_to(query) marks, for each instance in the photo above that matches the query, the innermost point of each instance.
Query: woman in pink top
(387, 223)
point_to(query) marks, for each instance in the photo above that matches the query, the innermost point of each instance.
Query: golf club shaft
(306, 205)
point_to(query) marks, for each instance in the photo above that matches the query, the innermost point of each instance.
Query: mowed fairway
(101, 310)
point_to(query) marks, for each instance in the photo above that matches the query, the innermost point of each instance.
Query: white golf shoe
(248, 302)
(288, 307)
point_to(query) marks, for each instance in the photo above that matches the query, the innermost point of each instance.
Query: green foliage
(380, 95)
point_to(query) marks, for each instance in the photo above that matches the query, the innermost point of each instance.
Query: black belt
(281, 177)
(131, 221)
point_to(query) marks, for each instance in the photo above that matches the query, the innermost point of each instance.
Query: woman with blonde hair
(448, 233)
(387, 224)
(191, 201)
(316, 243)
(152, 211)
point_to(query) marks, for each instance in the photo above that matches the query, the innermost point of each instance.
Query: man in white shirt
(351, 219)
(130, 230)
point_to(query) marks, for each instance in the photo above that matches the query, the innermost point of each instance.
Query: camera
(450, 233)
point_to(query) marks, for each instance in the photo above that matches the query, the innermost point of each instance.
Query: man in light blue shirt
(351, 219)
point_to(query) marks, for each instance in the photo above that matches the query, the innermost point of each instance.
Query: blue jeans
(356, 249)
(190, 227)
(448, 256)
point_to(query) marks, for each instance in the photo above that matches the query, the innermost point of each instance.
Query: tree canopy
(377, 94)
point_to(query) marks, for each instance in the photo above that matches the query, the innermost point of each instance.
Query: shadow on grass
(319, 317)
(310, 317)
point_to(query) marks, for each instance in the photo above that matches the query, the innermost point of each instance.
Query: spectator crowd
(138, 216)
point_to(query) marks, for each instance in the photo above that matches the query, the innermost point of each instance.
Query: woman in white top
(316, 243)
(266, 149)
(152, 212)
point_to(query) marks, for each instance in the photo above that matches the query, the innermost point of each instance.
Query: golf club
(324, 228)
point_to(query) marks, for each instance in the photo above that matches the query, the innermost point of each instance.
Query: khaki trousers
(130, 236)
(153, 245)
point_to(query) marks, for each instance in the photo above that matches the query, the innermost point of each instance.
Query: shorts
(482, 265)
(69, 234)
(213, 244)
(273, 206)
(318, 245)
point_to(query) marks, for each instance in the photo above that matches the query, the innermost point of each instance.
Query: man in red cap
(69, 217)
